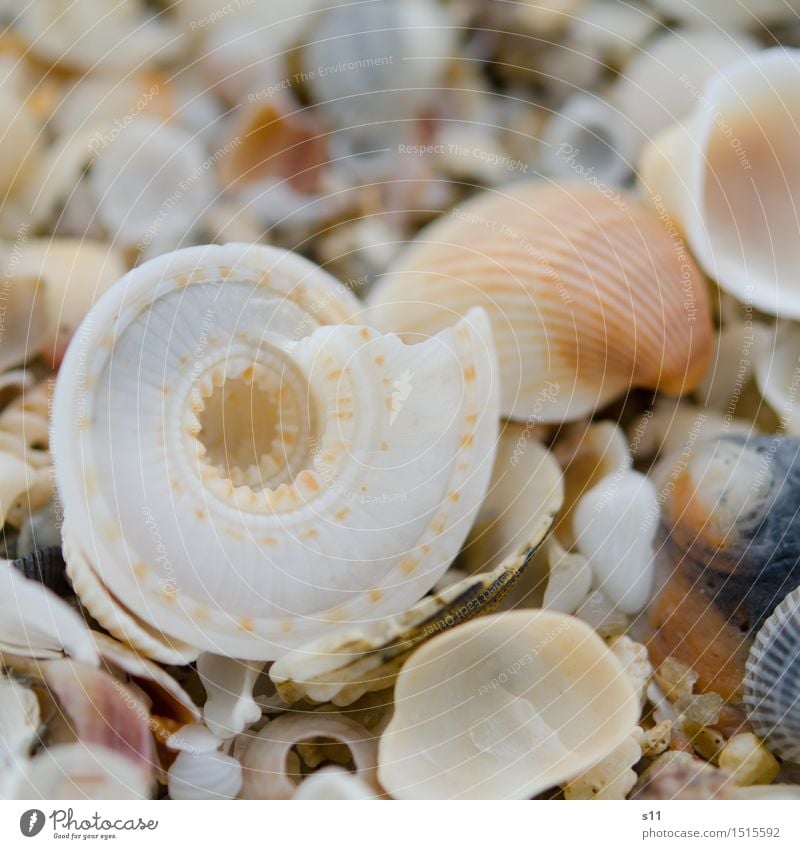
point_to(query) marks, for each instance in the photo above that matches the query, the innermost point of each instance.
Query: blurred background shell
(730, 555)
(588, 294)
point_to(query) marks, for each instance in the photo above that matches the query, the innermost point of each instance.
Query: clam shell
(525, 494)
(256, 466)
(573, 280)
(772, 680)
(505, 707)
(204, 775)
(732, 168)
(265, 761)
(729, 556)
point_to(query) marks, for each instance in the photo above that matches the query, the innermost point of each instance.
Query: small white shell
(732, 168)
(335, 784)
(569, 579)
(505, 707)
(242, 541)
(772, 681)
(615, 526)
(265, 761)
(228, 682)
(194, 739)
(204, 775)
(35, 622)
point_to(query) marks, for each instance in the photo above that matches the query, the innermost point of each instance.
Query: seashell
(569, 278)
(395, 58)
(313, 479)
(771, 682)
(661, 83)
(588, 137)
(615, 525)
(101, 711)
(332, 783)
(730, 518)
(73, 273)
(194, 739)
(678, 776)
(229, 707)
(743, 13)
(729, 169)
(23, 325)
(80, 771)
(171, 704)
(588, 454)
(93, 35)
(45, 565)
(611, 778)
(603, 615)
(748, 761)
(20, 145)
(616, 28)
(569, 579)
(22, 487)
(635, 662)
(35, 622)
(151, 184)
(40, 530)
(19, 720)
(265, 761)
(204, 775)
(524, 496)
(776, 356)
(505, 707)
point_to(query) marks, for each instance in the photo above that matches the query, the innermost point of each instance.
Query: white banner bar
(400, 825)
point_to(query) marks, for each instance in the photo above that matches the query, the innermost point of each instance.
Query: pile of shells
(399, 400)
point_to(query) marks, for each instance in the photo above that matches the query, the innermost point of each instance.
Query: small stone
(676, 679)
(748, 761)
(707, 742)
(656, 740)
(598, 611)
(700, 710)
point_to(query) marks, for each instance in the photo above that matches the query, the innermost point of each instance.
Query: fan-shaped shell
(729, 175)
(204, 775)
(588, 295)
(772, 681)
(730, 555)
(505, 707)
(262, 485)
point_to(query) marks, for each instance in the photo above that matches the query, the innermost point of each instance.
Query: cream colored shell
(588, 294)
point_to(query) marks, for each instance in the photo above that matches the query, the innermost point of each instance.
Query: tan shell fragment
(588, 295)
(505, 707)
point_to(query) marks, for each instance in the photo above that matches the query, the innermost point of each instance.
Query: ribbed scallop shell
(588, 295)
(204, 775)
(772, 682)
(241, 479)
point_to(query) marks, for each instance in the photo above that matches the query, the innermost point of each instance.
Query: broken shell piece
(101, 711)
(748, 761)
(23, 489)
(505, 707)
(588, 454)
(228, 682)
(730, 554)
(35, 622)
(569, 579)
(80, 771)
(270, 447)
(615, 525)
(571, 279)
(265, 761)
(204, 775)
(524, 496)
(73, 273)
(635, 662)
(772, 682)
(612, 778)
(732, 168)
(19, 145)
(335, 784)
(776, 358)
(602, 615)
(24, 322)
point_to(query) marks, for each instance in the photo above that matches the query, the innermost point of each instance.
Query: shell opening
(256, 428)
